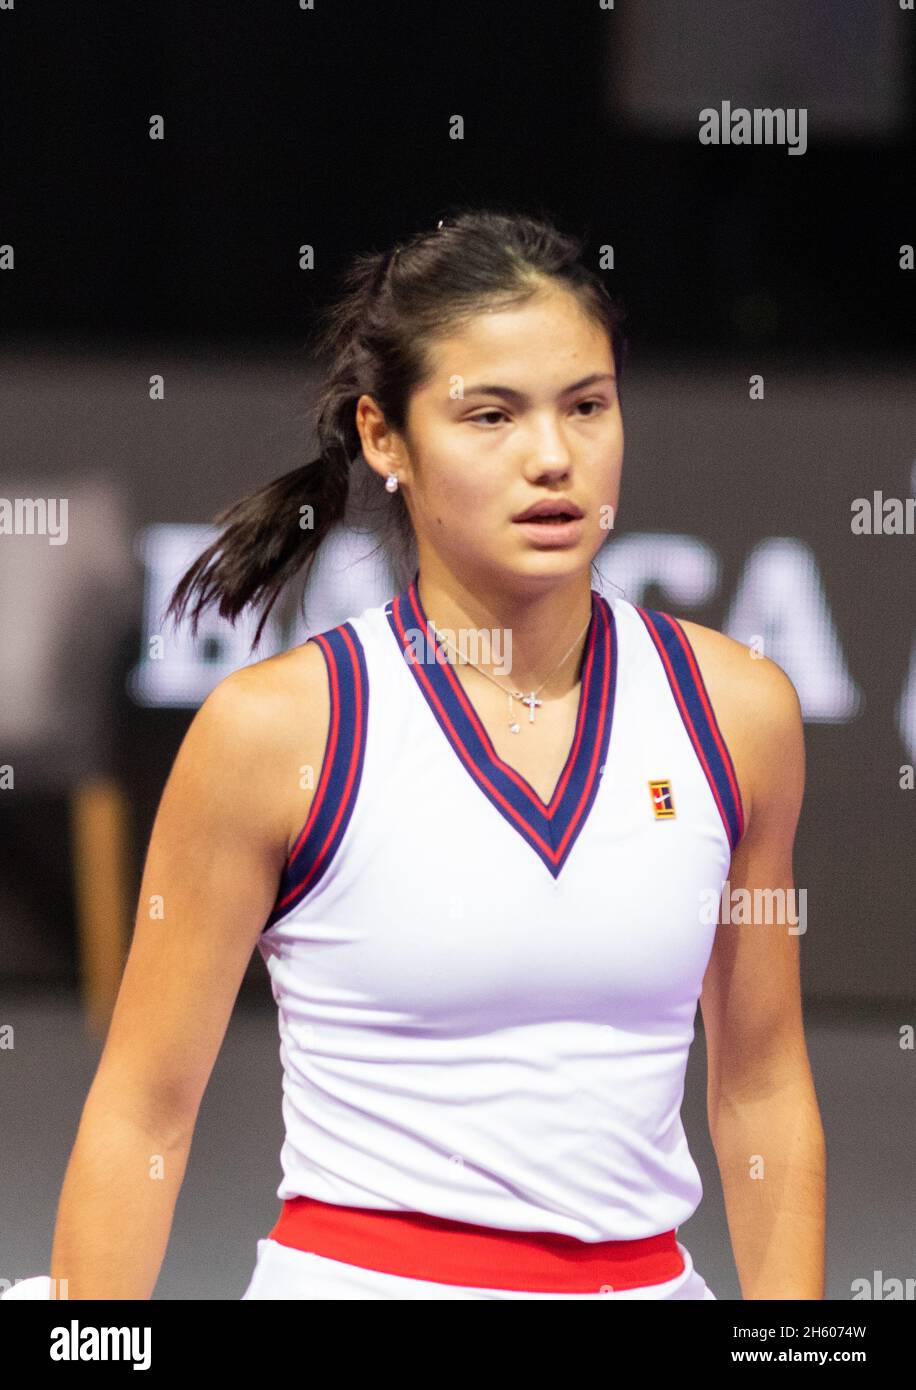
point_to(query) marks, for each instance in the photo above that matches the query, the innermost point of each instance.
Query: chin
(548, 564)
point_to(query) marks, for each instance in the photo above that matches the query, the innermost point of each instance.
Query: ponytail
(268, 538)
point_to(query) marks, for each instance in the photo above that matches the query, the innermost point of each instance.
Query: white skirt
(283, 1272)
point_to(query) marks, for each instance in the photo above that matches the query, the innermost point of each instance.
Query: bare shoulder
(274, 686)
(273, 716)
(758, 712)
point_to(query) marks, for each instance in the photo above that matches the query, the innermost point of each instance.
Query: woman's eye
(500, 413)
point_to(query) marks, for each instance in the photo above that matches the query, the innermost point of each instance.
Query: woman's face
(521, 407)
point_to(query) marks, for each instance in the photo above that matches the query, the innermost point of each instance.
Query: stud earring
(391, 482)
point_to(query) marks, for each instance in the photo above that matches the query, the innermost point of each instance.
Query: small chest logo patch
(662, 800)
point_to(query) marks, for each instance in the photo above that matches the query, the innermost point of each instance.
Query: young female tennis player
(475, 832)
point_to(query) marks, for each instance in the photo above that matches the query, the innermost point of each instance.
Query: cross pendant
(532, 702)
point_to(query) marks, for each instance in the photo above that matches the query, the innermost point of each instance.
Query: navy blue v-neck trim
(551, 829)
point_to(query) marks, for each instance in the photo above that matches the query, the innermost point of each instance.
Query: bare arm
(216, 852)
(763, 1113)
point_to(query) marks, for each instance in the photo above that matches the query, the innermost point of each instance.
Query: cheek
(607, 468)
(470, 489)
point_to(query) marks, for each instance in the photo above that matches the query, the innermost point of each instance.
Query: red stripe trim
(555, 855)
(523, 786)
(713, 722)
(466, 758)
(415, 1245)
(333, 741)
(602, 714)
(331, 749)
(690, 726)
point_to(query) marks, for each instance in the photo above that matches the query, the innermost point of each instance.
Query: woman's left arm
(763, 1112)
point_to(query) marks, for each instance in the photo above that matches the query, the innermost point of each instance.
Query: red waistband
(418, 1246)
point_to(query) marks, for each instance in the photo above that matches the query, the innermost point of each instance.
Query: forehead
(542, 336)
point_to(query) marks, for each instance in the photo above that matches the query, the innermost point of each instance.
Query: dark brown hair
(375, 339)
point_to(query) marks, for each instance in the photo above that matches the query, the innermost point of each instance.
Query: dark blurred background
(125, 257)
(331, 127)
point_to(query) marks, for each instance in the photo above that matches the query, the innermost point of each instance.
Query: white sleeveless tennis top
(486, 1001)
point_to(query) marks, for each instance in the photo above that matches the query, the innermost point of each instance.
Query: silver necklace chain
(530, 700)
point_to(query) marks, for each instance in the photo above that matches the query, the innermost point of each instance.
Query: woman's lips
(549, 530)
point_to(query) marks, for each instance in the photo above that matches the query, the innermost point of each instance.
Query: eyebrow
(486, 388)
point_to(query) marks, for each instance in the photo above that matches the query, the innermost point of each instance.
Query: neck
(517, 636)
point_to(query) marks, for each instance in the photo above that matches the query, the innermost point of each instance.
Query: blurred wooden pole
(100, 837)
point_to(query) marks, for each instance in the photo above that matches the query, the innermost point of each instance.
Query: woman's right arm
(230, 808)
